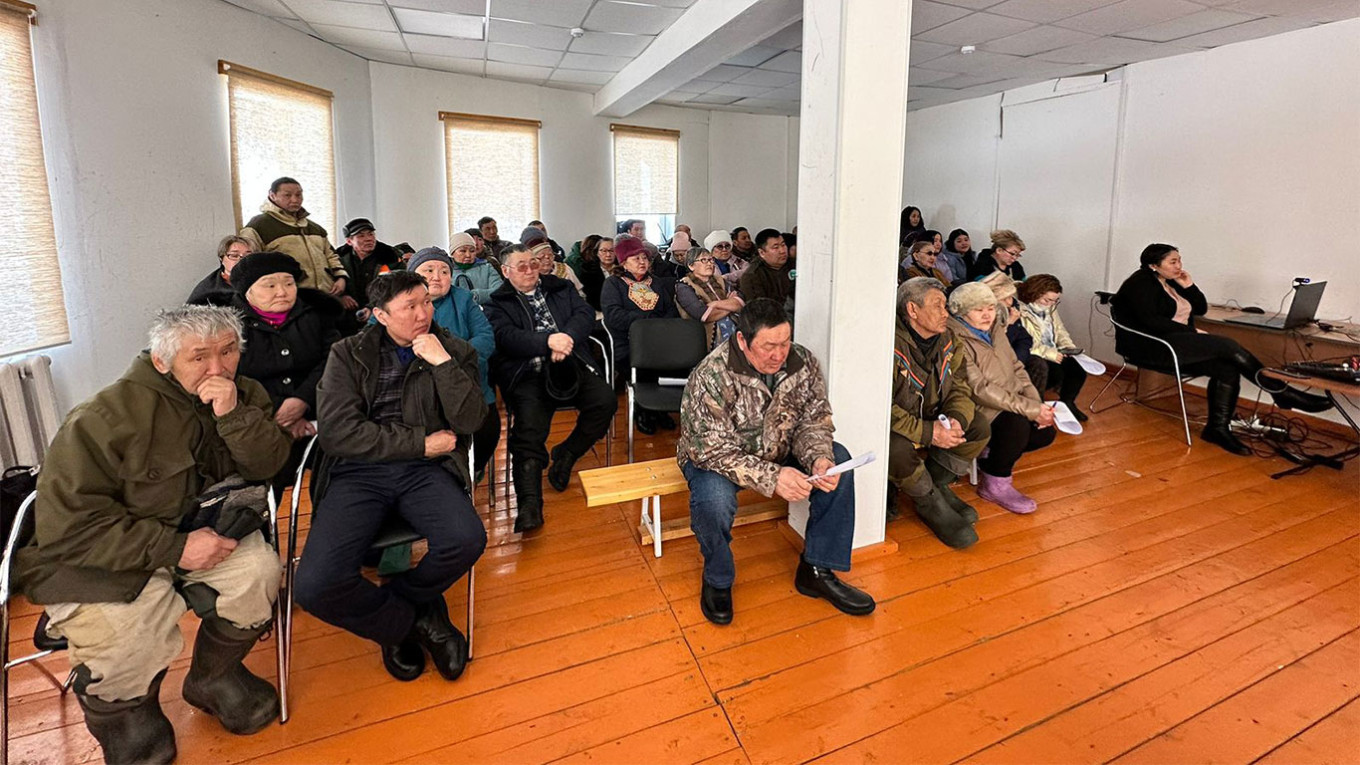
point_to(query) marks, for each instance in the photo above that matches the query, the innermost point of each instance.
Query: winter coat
(211, 283)
(1045, 326)
(517, 344)
(1143, 304)
(561, 271)
(692, 297)
(762, 281)
(928, 385)
(986, 264)
(910, 269)
(592, 278)
(997, 378)
(481, 280)
(735, 425)
(362, 271)
(458, 313)
(123, 471)
(434, 398)
(731, 269)
(275, 230)
(620, 312)
(952, 266)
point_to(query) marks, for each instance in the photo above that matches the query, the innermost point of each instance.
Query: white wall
(134, 119)
(950, 170)
(752, 177)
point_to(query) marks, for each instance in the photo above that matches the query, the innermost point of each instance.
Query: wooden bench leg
(652, 521)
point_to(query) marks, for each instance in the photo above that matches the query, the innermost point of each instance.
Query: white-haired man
(122, 539)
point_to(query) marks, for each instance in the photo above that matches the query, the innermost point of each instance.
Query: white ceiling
(1018, 42)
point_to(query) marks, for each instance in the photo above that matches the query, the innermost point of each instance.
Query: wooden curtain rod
(28, 9)
(616, 127)
(228, 68)
(489, 118)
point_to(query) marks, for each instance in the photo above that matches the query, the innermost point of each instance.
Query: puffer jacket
(275, 230)
(926, 385)
(735, 425)
(997, 378)
(123, 471)
(1046, 327)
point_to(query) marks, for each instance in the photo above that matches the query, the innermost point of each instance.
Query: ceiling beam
(709, 33)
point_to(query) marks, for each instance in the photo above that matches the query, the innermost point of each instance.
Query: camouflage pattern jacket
(733, 424)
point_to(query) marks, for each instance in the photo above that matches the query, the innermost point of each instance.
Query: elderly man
(742, 246)
(755, 415)
(491, 238)
(283, 226)
(558, 253)
(396, 409)
(122, 539)
(771, 274)
(932, 410)
(542, 363)
(364, 258)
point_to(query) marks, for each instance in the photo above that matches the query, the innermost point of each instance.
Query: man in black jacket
(397, 405)
(542, 328)
(364, 258)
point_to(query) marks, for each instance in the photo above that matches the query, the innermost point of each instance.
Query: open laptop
(1302, 311)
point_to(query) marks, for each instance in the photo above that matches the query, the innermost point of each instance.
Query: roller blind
(32, 306)
(646, 170)
(280, 128)
(491, 168)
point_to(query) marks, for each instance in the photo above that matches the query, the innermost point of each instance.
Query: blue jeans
(713, 506)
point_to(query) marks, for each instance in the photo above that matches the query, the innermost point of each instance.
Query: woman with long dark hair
(911, 223)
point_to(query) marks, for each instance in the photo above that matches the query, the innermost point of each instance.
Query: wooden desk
(1276, 347)
(1330, 388)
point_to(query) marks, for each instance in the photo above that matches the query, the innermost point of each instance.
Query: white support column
(854, 110)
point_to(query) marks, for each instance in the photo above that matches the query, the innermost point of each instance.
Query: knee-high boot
(1222, 407)
(1285, 395)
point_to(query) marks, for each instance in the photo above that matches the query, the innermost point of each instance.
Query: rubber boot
(1222, 407)
(132, 731)
(528, 478)
(948, 526)
(559, 473)
(1002, 491)
(219, 684)
(942, 476)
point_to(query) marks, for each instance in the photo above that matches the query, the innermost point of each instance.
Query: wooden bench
(649, 482)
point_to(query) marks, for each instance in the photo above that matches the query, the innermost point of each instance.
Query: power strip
(1256, 427)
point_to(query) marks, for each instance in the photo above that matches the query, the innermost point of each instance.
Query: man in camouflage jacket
(755, 416)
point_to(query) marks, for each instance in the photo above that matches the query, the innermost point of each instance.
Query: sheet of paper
(1092, 366)
(1065, 421)
(853, 463)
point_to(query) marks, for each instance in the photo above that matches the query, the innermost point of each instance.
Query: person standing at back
(283, 225)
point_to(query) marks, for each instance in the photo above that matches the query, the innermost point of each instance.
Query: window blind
(280, 128)
(32, 306)
(491, 168)
(646, 170)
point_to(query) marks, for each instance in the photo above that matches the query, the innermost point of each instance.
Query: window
(32, 307)
(280, 127)
(646, 173)
(491, 167)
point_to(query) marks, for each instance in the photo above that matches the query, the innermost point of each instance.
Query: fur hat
(968, 296)
(1001, 285)
(627, 247)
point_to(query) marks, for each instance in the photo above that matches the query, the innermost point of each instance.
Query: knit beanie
(428, 254)
(627, 247)
(716, 238)
(532, 235)
(1001, 285)
(681, 243)
(461, 239)
(968, 296)
(258, 265)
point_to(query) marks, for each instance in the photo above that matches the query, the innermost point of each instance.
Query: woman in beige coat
(1020, 420)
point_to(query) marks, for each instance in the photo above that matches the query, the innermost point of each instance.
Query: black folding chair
(669, 348)
(1136, 397)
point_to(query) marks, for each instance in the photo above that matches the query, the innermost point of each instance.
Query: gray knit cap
(428, 254)
(968, 296)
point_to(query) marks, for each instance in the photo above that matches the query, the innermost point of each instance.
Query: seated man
(542, 362)
(755, 416)
(115, 537)
(771, 274)
(932, 409)
(396, 407)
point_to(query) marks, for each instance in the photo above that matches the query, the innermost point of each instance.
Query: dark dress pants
(533, 410)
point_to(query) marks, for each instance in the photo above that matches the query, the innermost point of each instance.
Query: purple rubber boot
(1002, 491)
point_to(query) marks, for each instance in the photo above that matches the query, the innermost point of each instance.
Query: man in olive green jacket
(112, 549)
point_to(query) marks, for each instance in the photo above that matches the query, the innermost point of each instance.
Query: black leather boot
(436, 634)
(559, 474)
(1293, 398)
(942, 476)
(132, 731)
(893, 512)
(405, 660)
(947, 526)
(219, 684)
(817, 582)
(528, 478)
(716, 603)
(1222, 407)
(642, 420)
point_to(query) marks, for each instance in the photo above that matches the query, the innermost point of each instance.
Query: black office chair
(1135, 396)
(670, 348)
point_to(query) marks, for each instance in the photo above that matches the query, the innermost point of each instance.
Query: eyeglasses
(723, 246)
(1050, 303)
(527, 267)
(703, 260)
(230, 256)
(1011, 253)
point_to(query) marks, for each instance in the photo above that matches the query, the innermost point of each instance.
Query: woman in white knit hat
(730, 268)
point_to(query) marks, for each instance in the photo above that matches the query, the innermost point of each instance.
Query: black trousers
(532, 414)
(485, 439)
(358, 499)
(1066, 378)
(1012, 436)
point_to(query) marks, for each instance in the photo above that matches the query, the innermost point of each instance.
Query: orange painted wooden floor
(1164, 605)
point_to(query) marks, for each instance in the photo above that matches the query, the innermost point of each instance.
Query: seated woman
(911, 223)
(457, 312)
(594, 263)
(547, 264)
(1039, 298)
(959, 244)
(947, 263)
(1161, 299)
(470, 272)
(920, 261)
(633, 293)
(1003, 255)
(1003, 287)
(1020, 420)
(704, 295)
(729, 268)
(229, 252)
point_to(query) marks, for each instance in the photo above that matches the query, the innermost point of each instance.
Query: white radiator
(28, 411)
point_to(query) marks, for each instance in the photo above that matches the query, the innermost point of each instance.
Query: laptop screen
(1305, 305)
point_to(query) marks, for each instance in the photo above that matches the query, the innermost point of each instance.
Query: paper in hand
(849, 464)
(1065, 421)
(1092, 366)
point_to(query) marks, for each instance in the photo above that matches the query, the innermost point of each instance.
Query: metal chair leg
(1091, 407)
(472, 587)
(1180, 392)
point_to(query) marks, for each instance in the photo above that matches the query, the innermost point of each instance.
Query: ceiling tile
(536, 74)
(723, 73)
(741, 91)
(713, 98)
(581, 77)
(519, 54)
(1046, 11)
(922, 51)
(267, 7)
(787, 38)
(362, 38)
(788, 93)
(1195, 23)
(1248, 31)
(754, 56)
(470, 7)
(1129, 14)
(960, 81)
(1283, 7)
(927, 15)
(371, 17)
(445, 46)
(767, 103)
(788, 61)
(1113, 51)
(554, 13)
(533, 35)
(766, 78)
(443, 24)
(1037, 40)
(611, 16)
(450, 64)
(610, 44)
(297, 24)
(919, 76)
(975, 29)
(387, 56)
(672, 3)
(576, 86)
(594, 63)
(1338, 10)
(971, 63)
(914, 93)
(975, 5)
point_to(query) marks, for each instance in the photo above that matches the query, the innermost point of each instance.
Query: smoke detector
(577, 32)
(965, 50)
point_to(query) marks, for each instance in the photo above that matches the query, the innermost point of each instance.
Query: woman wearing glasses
(229, 252)
(729, 268)
(1039, 298)
(1003, 255)
(705, 296)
